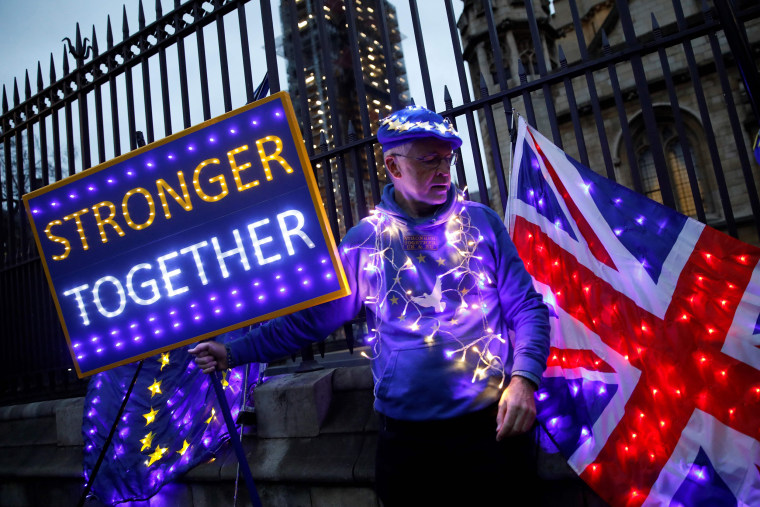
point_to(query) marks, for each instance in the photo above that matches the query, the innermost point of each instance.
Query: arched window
(676, 160)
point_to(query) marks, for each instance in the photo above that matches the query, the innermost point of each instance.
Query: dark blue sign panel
(208, 230)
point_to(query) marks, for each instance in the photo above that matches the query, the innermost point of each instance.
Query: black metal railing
(648, 99)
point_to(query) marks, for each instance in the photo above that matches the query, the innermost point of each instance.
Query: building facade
(334, 115)
(693, 156)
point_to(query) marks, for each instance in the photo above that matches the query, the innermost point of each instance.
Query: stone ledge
(293, 405)
(35, 410)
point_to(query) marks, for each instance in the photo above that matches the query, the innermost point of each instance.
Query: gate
(661, 96)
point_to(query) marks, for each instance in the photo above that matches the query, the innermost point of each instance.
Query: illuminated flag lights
(652, 389)
(169, 426)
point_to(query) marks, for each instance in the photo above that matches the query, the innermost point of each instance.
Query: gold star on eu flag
(147, 442)
(394, 299)
(150, 416)
(164, 360)
(155, 388)
(421, 258)
(185, 447)
(157, 455)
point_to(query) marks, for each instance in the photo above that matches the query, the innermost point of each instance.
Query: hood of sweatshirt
(389, 206)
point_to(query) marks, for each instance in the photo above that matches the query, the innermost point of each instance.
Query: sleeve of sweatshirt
(287, 334)
(523, 308)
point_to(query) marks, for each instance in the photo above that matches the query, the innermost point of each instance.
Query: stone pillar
(484, 66)
(514, 55)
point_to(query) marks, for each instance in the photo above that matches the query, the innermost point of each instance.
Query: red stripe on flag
(594, 244)
(574, 358)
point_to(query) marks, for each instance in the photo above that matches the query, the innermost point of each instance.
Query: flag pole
(107, 443)
(236, 444)
(242, 405)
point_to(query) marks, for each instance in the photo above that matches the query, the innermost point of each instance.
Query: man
(453, 319)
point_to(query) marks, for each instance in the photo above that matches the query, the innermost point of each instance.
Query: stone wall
(312, 443)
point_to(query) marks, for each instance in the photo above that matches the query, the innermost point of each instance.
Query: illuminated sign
(208, 230)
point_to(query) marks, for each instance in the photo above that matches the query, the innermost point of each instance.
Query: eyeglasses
(433, 162)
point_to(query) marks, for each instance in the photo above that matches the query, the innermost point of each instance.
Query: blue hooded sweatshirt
(451, 311)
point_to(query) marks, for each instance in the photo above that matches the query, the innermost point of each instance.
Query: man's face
(421, 175)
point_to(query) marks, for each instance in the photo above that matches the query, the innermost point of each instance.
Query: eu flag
(170, 424)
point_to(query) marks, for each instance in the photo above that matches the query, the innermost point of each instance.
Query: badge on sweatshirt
(420, 242)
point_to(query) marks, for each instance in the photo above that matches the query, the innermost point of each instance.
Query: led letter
(161, 185)
(119, 291)
(77, 292)
(151, 208)
(108, 220)
(265, 159)
(287, 233)
(80, 229)
(236, 169)
(220, 256)
(197, 258)
(258, 242)
(149, 284)
(168, 275)
(219, 178)
(58, 239)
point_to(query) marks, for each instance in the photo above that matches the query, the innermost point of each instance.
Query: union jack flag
(652, 390)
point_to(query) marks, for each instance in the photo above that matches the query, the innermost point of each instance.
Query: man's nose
(443, 168)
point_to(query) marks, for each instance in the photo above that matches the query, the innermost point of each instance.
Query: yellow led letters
(58, 239)
(265, 159)
(105, 212)
(100, 221)
(161, 185)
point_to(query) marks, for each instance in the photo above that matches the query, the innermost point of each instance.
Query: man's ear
(392, 167)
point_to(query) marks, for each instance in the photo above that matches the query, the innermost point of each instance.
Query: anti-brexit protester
(459, 337)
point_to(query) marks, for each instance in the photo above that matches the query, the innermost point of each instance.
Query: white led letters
(173, 267)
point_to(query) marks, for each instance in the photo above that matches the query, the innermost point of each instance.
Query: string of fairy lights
(460, 262)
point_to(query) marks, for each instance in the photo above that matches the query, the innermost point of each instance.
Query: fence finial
(27, 87)
(656, 28)
(521, 71)
(562, 58)
(52, 69)
(605, 43)
(109, 33)
(483, 86)
(80, 50)
(15, 93)
(40, 84)
(124, 24)
(140, 16)
(65, 62)
(5, 101)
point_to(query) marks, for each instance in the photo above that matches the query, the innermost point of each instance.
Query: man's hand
(517, 408)
(210, 356)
